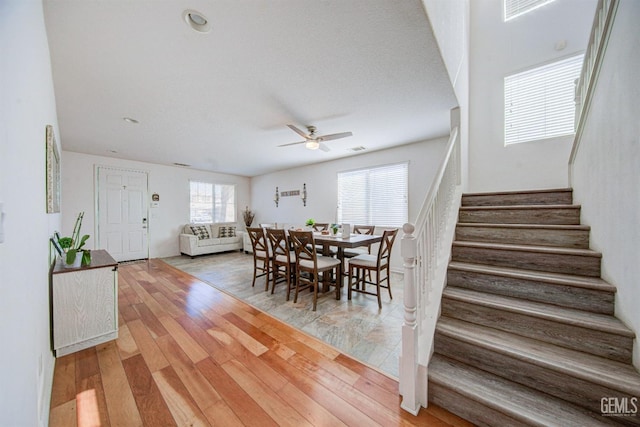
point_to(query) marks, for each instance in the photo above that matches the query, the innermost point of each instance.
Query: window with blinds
(515, 8)
(374, 196)
(539, 103)
(212, 202)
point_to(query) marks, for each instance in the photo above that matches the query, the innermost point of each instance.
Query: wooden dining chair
(283, 259)
(321, 226)
(360, 229)
(378, 266)
(309, 265)
(261, 255)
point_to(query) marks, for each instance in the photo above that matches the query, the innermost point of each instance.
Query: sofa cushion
(226, 232)
(201, 231)
(209, 242)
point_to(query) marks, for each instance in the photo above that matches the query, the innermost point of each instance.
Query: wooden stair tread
(526, 226)
(519, 402)
(569, 316)
(515, 192)
(555, 278)
(520, 207)
(527, 248)
(595, 369)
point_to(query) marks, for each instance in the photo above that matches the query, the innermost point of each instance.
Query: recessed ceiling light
(130, 120)
(196, 20)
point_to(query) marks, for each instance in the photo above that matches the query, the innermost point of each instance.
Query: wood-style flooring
(190, 355)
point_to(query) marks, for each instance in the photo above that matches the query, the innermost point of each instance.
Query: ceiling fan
(313, 141)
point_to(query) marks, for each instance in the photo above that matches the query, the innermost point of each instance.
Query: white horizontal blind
(539, 103)
(212, 202)
(514, 8)
(374, 196)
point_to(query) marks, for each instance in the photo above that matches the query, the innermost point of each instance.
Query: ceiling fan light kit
(313, 141)
(312, 145)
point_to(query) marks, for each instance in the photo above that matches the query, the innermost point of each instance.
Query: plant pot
(76, 263)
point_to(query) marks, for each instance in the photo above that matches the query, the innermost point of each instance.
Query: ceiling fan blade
(335, 136)
(324, 147)
(298, 131)
(292, 143)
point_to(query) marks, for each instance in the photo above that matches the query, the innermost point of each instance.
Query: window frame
(370, 204)
(215, 205)
(521, 10)
(538, 120)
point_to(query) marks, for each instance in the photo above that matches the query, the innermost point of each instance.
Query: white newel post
(409, 382)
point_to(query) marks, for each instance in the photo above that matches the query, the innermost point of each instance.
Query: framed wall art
(53, 172)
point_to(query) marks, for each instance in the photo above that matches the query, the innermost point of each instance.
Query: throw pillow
(227, 232)
(200, 231)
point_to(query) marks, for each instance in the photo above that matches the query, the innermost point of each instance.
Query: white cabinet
(85, 304)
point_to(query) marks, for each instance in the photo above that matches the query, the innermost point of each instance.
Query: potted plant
(72, 246)
(334, 229)
(248, 216)
(310, 223)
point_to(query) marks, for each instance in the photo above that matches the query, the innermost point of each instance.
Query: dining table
(342, 243)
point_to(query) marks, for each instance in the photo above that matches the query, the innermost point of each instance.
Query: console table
(85, 304)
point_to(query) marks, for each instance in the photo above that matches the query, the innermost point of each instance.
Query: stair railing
(425, 249)
(600, 30)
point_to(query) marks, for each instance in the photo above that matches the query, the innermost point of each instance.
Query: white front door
(122, 213)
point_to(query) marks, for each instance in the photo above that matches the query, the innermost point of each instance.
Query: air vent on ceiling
(356, 149)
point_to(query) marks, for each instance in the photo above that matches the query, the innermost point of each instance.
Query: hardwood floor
(188, 354)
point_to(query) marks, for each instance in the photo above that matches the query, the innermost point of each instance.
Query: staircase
(527, 334)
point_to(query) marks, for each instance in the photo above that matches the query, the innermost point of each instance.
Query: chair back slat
(388, 237)
(303, 245)
(278, 241)
(258, 240)
(318, 226)
(364, 229)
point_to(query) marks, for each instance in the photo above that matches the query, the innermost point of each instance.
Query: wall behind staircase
(607, 167)
(501, 48)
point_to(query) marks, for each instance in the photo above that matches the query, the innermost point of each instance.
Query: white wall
(322, 186)
(170, 182)
(500, 48)
(607, 166)
(450, 22)
(27, 105)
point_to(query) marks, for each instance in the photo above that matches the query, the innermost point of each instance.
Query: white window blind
(212, 202)
(515, 8)
(539, 103)
(374, 196)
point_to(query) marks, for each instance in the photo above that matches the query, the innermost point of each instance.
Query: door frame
(96, 190)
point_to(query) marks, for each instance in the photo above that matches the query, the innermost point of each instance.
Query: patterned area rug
(357, 327)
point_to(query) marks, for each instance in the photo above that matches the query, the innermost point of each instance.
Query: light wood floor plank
(152, 407)
(148, 347)
(200, 389)
(63, 415)
(195, 352)
(121, 405)
(126, 344)
(280, 411)
(249, 412)
(188, 354)
(185, 411)
(64, 380)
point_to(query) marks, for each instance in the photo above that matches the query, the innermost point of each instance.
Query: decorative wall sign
(53, 172)
(290, 193)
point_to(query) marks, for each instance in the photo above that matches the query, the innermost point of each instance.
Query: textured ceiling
(221, 101)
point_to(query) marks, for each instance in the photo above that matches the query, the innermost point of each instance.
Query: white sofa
(219, 237)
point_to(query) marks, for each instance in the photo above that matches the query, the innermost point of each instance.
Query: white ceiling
(221, 101)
